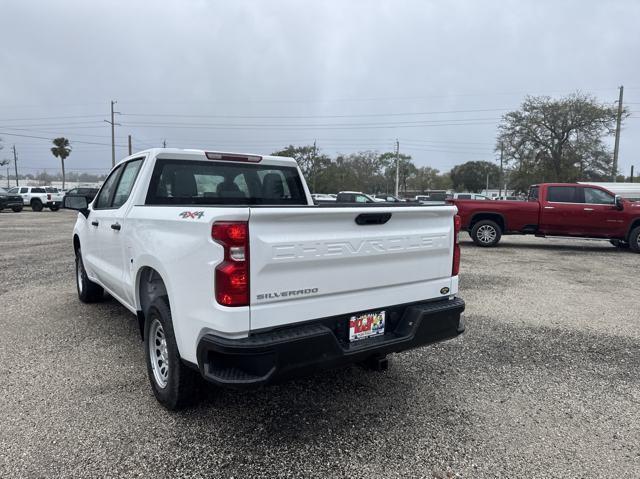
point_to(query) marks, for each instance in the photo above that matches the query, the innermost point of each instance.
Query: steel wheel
(486, 234)
(158, 353)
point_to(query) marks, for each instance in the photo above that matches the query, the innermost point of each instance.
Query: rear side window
(38, 190)
(563, 194)
(210, 182)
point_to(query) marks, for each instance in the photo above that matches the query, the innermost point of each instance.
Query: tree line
(545, 140)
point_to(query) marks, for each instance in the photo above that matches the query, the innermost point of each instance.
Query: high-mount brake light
(212, 155)
(232, 275)
(457, 226)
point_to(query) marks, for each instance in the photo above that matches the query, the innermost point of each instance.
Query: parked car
(169, 236)
(355, 197)
(88, 192)
(322, 197)
(36, 197)
(555, 209)
(389, 198)
(508, 198)
(10, 200)
(469, 196)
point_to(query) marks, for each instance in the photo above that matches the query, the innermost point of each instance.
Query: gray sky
(257, 75)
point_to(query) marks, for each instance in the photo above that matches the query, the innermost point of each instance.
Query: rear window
(180, 182)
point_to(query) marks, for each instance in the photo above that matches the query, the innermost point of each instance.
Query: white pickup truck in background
(39, 196)
(233, 271)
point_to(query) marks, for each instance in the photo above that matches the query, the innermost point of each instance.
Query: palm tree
(61, 150)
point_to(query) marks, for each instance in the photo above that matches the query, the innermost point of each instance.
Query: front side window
(108, 188)
(209, 182)
(563, 194)
(127, 179)
(598, 197)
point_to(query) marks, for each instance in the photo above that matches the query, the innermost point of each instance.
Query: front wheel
(17, 209)
(172, 382)
(486, 233)
(634, 239)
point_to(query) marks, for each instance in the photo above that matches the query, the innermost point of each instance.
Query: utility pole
(8, 177)
(631, 178)
(501, 170)
(130, 145)
(486, 191)
(113, 133)
(164, 143)
(315, 170)
(616, 148)
(397, 167)
(15, 162)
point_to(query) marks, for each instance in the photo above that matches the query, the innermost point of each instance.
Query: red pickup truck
(555, 209)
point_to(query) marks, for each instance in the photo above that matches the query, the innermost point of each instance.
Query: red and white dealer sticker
(366, 325)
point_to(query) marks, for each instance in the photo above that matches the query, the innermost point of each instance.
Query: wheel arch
(149, 285)
(498, 218)
(634, 224)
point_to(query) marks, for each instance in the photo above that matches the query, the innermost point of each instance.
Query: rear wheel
(36, 205)
(17, 209)
(486, 233)
(88, 291)
(173, 383)
(634, 239)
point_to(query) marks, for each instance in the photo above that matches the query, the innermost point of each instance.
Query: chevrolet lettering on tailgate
(372, 246)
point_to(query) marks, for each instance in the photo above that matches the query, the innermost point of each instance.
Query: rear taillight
(457, 225)
(232, 275)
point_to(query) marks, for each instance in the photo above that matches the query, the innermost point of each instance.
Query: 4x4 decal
(192, 214)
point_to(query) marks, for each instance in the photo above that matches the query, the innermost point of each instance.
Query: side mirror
(76, 202)
(618, 202)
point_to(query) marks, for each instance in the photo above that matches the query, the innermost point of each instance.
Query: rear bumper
(299, 350)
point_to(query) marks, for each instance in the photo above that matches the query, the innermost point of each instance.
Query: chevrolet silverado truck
(234, 272)
(555, 209)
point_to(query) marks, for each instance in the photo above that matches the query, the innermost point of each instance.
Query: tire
(36, 205)
(88, 291)
(486, 233)
(17, 209)
(634, 239)
(173, 383)
(54, 208)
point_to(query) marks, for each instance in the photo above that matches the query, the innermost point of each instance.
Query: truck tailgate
(310, 262)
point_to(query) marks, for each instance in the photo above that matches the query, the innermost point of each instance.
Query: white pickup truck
(233, 271)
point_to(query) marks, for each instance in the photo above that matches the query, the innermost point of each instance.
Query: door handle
(549, 207)
(95, 223)
(588, 209)
(115, 226)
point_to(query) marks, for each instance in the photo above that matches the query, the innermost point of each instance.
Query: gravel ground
(544, 383)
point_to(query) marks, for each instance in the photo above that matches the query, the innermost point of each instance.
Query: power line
(51, 139)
